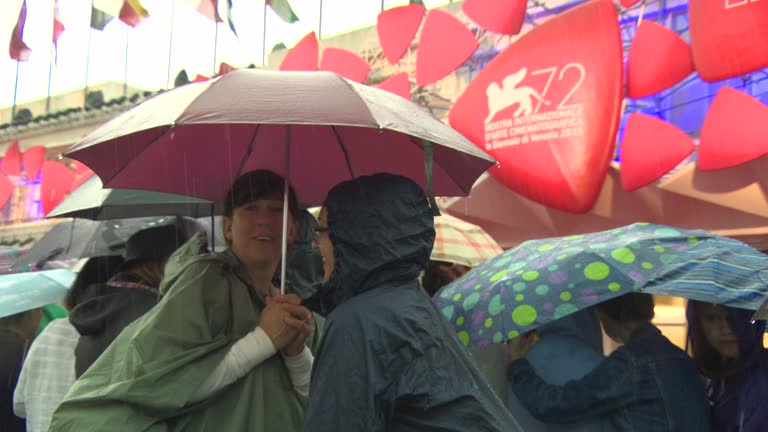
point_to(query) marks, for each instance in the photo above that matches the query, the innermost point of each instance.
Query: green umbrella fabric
(91, 201)
(543, 280)
(20, 292)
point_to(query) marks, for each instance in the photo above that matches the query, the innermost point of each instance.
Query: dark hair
(255, 185)
(97, 270)
(708, 360)
(153, 244)
(632, 307)
(439, 274)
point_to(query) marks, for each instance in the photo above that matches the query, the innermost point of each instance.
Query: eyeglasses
(320, 229)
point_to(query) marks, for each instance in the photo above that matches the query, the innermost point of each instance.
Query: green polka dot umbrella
(543, 280)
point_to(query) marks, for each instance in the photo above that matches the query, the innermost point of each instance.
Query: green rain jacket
(144, 381)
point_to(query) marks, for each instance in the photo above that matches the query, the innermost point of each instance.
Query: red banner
(548, 107)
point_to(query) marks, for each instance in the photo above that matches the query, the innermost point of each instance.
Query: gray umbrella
(91, 201)
(82, 238)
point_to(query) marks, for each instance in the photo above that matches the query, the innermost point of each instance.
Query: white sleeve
(245, 354)
(300, 371)
(20, 393)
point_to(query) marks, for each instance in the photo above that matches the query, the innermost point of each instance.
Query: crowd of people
(175, 337)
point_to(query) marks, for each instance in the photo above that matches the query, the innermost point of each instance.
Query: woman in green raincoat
(205, 358)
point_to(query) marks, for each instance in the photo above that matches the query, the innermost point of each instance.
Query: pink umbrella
(317, 129)
(196, 139)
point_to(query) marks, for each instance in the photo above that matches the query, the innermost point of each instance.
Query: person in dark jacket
(647, 385)
(388, 361)
(16, 334)
(569, 348)
(728, 349)
(128, 295)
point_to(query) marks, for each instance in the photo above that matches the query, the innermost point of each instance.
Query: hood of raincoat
(750, 334)
(304, 270)
(142, 380)
(738, 400)
(382, 231)
(105, 304)
(582, 325)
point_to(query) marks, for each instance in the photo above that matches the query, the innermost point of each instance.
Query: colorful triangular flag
(208, 9)
(132, 13)
(18, 50)
(283, 9)
(229, 17)
(58, 29)
(181, 79)
(99, 18)
(225, 68)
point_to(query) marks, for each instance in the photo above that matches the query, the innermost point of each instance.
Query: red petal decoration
(55, 184)
(398, 84)
(33, 160)
(734, 131)
(303, 56)
(548, 107)
(82, 173)
(650, 149)
(6, 189)
(12, 160)
(80, 168)
(729, 38)
(658, 59)
(397, 27)
(628, 3)
(499, 16)
(444, 45)
(200, 78)
(345, 63)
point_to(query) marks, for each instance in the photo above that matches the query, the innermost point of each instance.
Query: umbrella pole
(213, 228)
(286, 190)
(428, 159)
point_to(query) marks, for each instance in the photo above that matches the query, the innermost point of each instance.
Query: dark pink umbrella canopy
(196, 139)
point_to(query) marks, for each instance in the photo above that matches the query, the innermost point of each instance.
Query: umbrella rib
(445, 171)
(343, 150)
(248, 151)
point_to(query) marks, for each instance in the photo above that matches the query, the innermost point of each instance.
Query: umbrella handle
(428, 159)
